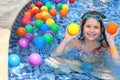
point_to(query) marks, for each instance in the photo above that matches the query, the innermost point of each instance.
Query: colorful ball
(35, 11)
(53, 12)
(30, 23)
(48, 38)
(71, 1)
(31, 6)
(44, 28)
(29, 36)
(20, 31)
(112, 28)
(27, 14)
(54, 28)
(44, 1)
(65, 7)
(38, 4)
(46, 17)
(57, 1)
(73, 29)
(23, 42)
(38, 23)
(35, 59)
(38, 16)
(35, 7)
(29, 28)
(59, 6)
(63, 13)
(44, 13)
(39, 42)
(50, 32)
(49, 22)
(24, 21)
(48, 5)
(44, 8)
(13, 60)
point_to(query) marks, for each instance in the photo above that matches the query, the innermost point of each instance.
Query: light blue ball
(39, 42)
(13, 60)
(44, 28)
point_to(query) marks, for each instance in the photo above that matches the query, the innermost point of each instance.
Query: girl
(94, 43)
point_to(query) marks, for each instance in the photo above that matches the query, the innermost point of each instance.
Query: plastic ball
(23, 42)
(46, 17)
(50, 22)
(29, 28)
(35, 59)
(38, 4)
(24, 21)
(50, 32)
(112, 28)
(27, 14)
(59, 6)
(63, 13)
(44, 13)
(53, 12)
(48, 5)
(44, 8)
(65, 7)
(31, 6)
(29, 36)
(39, 42)
(30, 23)
(54, 28)
(73, 29)
(38, 16)
(57, 1)
(48, 38)
(44, 1)
(35, 11)
(20, 31)
(35, 7)
(13, 60)
(38, 23)
(44, 28)
(31, 11)
(71, 1)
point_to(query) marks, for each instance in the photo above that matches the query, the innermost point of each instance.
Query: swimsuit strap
(82, 44)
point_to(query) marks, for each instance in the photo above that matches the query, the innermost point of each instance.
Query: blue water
(111, 8)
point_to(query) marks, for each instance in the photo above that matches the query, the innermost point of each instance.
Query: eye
(88, 26)
(96, 27)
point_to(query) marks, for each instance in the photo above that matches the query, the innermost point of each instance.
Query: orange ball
(31, 6)
(38, 16)
(47, 17)
(112, 27)
(63, 13)
(27, 14)
(20, 31)
(53, 12)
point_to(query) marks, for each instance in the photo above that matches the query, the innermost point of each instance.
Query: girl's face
(91, 29)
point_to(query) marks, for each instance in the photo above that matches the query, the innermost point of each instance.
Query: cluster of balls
(38, 16)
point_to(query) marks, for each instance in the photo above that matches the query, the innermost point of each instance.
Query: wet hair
(102, 37)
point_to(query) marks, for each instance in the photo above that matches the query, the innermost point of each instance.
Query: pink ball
(35, 59)
(57, 1)
(23, 42)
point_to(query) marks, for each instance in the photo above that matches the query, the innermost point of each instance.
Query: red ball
(24, 21)
(35, 11)
(71, 1)
(31, 11)
(38, 4)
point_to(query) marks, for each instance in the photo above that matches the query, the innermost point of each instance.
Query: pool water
(111, 8)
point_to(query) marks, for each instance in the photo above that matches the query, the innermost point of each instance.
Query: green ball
(59, 6)
(54, 28)
(29, 28)
(38, 23)
(48, 38)
(48, 5)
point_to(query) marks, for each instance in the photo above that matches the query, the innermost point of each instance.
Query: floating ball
(35, 59)
(73, 29)
(48, 38)
(44, 13)
(35, 7)
(65, 7)
(35, 11)
(27, 14)
(23, 42)
(57, 1)
(63, 13)
(38, 23)
(54, 28)
(29, 36)
(29, 28)
(44, 8)
(50, 32)
(20, 31)
(71, 1)
(39, 42)
(44, 1)
(38, 4)
(112, 28)
(13, 60)
(59, 6)
(46, 17)
(24, 21)
(44, 28)
(53, 12)
(38, 16)
(31, 11)
(48, 5)
(31, 6)
(49, 22)
(30, 23)
(28, 17)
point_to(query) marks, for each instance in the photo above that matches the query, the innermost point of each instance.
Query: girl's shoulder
(76, 43)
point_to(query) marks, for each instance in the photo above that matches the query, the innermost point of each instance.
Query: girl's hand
(68, 36)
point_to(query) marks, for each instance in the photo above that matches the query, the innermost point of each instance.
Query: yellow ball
(44, 13)
(44, 8)
(35, 8)
(73, 29)
(65, 7)
(49, 22)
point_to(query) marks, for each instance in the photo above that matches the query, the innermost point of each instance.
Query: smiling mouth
(91, 35)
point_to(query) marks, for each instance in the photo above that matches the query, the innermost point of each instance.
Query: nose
(91, 29)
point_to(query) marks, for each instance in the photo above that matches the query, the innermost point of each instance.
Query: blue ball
(39, 42)
(44, 28)
(44, 1)
(13, 60)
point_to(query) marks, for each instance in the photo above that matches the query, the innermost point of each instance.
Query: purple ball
(51, 32)
(30, 23)
(35, 59)
(29, 36)
(23, 42)
(57, 1)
